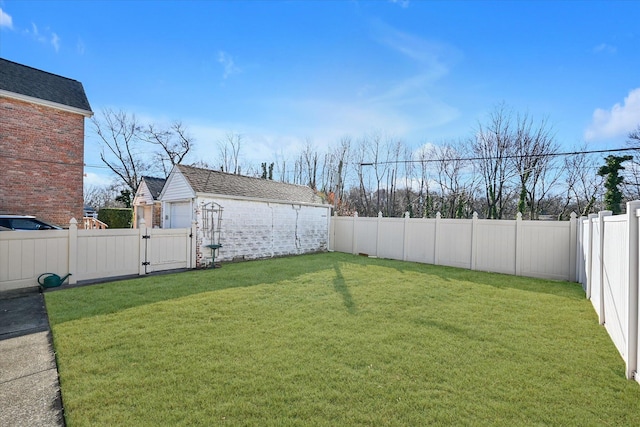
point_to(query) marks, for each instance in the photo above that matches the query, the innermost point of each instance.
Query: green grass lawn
(336, 340)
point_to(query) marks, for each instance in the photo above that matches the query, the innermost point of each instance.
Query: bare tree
(309, 164)
(456, 193)
(425, 156)
(410, 182)
(378, 150)
(99, 197)
(175, 144)
(493, 146)
(120, 134)
(533, 158)
(583, 184)
(361, 199)
(281, 167)
(333, 173)
(634, 136)
(229, 149)
(632, 172)
(393, 149)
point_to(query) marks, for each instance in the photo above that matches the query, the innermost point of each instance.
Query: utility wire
(511, 156)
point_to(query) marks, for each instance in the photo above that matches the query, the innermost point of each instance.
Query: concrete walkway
(29, 386)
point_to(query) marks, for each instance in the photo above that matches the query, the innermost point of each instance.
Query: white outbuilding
(246, 217)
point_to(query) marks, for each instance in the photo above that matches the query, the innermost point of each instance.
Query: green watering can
(50, 280)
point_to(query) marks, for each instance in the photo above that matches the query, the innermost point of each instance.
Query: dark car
(24, 222)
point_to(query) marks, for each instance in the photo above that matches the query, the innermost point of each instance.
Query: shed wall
(255, 229)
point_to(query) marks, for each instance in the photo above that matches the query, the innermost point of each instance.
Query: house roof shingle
(215, 182)
(154, 185)
(23, 80)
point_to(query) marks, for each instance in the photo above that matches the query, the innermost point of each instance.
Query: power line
(512, 156)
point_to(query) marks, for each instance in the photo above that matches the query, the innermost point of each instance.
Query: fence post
(589, 262)
(601, 216)
(405, 240)
(378, 233)
(142, 231)
(73, 251)
(193, 245)
(573, 265)
(518, 266)
(635, 285)
(354, 240)
(474, 240)
(632, 307)
(436, 246)
(580, 258)
(331, 239)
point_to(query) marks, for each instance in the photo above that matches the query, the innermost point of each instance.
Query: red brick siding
(41, 161)
(157, 214)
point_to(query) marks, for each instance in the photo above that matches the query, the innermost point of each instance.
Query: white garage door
(180, 215)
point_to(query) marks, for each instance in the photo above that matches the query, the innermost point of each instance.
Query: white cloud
(5, 20)
(228, 64)
(433, 58)
(616, 122)
(605, 48)
(34, 31)
(402, 3)
(92, 179)
(409, 96)
(55, 41)
(45, 36)
(80, 47)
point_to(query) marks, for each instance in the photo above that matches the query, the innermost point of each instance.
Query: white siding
(177, 188)
(143, 195)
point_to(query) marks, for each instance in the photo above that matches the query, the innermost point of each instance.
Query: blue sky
(281, 73)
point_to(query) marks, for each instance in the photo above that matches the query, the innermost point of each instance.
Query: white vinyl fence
(608, 270)
(91, 254)
(602, 252)
(545, 249)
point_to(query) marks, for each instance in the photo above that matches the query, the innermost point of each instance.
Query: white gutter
(45, 103)
(259, 199)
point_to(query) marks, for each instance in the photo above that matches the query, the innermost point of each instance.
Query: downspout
(272, 228)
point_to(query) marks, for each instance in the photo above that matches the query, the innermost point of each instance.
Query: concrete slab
(22, 314)
(31, 400)
(29, 385)
(24, 356)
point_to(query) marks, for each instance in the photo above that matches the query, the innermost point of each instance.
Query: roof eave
(259, 199)
(45, 103)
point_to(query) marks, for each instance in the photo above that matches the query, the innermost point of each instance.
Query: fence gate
(165, 249)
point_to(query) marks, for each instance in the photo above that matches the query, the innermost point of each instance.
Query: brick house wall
(41, 161)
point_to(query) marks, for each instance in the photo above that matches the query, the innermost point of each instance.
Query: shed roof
(221, 183)
(30, 82)
(154, 185)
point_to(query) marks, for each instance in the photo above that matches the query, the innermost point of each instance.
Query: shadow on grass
(570, 290)
(340, 286)
(105, 298)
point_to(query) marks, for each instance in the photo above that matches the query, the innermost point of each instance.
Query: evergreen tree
(125, 198)
(611, 172)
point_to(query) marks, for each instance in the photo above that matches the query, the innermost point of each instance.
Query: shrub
(116, 217)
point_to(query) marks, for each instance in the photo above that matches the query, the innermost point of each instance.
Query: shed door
(180, 215)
